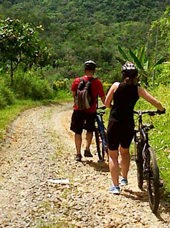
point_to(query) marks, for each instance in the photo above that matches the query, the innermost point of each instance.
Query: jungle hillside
(76, 30)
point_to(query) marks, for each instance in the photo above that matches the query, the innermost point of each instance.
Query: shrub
(3, 102)
(62, 84)
(163, 74)
(6, 95)
(31, 85)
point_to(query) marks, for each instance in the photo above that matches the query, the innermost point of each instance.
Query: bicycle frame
(100, 134)
(101, 127)
(143, 129)
(143, 136)
(146, 162)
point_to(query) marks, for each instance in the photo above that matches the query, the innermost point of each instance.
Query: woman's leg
(125, 161)
(114, 166)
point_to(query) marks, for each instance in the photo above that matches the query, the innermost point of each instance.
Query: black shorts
(119, 133)
(82, 120)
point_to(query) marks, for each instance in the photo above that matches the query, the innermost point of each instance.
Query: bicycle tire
(153, 181)
(104, 142)
(100, 149)
(139, 164)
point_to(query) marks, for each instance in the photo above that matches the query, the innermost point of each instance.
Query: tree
(19, 44)
(160, 29)
(143, 63)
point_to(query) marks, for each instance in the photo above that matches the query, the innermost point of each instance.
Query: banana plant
(140, 59)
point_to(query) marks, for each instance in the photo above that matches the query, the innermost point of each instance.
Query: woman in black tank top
(121, 98)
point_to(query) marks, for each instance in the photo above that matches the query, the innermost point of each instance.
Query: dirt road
(40, 149)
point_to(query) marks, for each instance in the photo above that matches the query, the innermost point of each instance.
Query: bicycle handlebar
(101, 110)
(101, 107)
(149, 112)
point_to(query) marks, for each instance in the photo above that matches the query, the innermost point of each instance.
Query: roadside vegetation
(159, 136)
(40, 56)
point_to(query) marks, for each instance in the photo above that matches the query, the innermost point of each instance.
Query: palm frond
(136, 60)
(123, 53)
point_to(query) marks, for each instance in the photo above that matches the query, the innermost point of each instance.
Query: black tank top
(124, 100)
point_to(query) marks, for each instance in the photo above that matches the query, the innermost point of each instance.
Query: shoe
(78, 157)
(87, 153)
(114, 190)
(123, 182)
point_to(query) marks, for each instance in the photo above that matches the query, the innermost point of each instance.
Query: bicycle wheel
(139, 163)
(104, 144)
(100, 149)
(153, 181)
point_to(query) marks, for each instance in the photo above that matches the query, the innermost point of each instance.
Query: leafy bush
(63, 84)
(163, 74)
(31, 85)
(41, 90)
(6, 95)
(3, 102)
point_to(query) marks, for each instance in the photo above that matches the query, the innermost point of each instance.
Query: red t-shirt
(96, 89)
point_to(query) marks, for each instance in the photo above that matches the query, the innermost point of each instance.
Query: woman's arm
(109, 96)
(148, 97)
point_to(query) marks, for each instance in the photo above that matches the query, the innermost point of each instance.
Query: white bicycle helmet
(129, 70)
(90, 65)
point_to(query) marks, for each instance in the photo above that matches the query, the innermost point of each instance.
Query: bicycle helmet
(89, 65)
(129, 70)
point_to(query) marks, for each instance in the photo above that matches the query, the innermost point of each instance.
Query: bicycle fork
(101, 131)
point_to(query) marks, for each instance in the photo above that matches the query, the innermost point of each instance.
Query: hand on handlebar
(161, 112)
(102, 107)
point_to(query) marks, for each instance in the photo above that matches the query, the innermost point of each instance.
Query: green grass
(11, 112)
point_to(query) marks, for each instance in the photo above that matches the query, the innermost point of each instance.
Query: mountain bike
(147, 168)
(100, 134)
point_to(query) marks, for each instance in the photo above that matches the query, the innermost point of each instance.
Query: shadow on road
(98, 166)
(142, 196)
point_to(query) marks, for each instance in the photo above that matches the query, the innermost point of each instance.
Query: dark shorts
(119, 133)
(82, 120)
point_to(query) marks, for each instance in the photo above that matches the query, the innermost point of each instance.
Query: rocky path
(39, 150)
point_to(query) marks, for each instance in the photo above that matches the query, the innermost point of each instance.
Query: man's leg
(76, 126)
(90, 126)
(89, 136)
(78, 142)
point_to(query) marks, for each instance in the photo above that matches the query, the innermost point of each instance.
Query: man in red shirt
(85, 119)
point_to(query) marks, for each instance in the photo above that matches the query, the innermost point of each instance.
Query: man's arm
(103, 99)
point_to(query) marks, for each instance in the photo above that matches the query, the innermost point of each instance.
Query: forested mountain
(75, 30)
(104, 11)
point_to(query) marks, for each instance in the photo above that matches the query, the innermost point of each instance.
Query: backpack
(83, 94)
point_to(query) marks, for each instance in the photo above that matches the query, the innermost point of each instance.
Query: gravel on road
(35, 160)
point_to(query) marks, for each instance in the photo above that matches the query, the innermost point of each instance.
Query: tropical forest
(44, 43)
